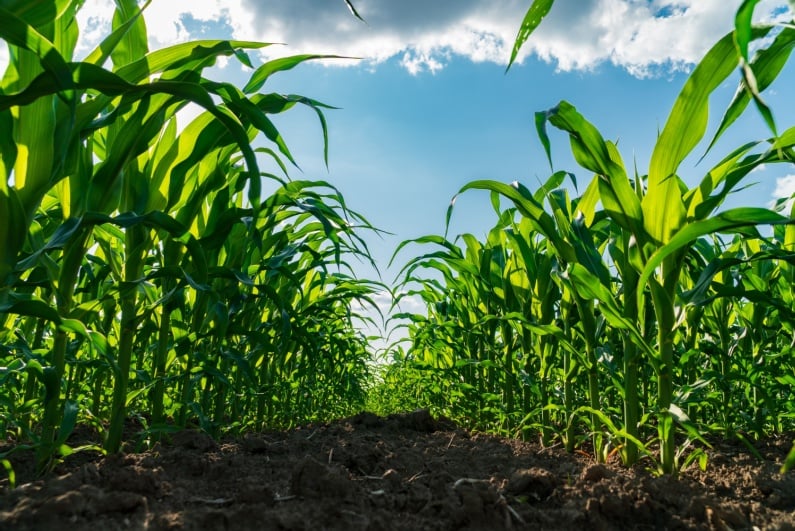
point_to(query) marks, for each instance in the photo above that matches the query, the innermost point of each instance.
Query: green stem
(159, 374)
(133, 269)
(586, 312)
(663, 299)
(507, 390)
(631, 401)
(53, 405)
(631, 398)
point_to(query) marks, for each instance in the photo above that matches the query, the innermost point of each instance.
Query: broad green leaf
(102, 52)
(37, 13)
(592, 152)
(742, 26)
(188, 55)
(134, 42)
(699, 200)
(785, 140)
(588, 201)
(68, 422)
(541, 130)
(663, 209)
(29, 305)
(730, 220)
(15, 31)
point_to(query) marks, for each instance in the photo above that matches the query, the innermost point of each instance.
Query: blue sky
(429, 106)
(418, 120)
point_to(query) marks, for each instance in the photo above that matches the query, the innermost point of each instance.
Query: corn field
(176, 275)
(637, 310)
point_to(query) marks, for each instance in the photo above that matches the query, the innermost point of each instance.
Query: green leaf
(68, 422)
(261, 74)
(538, 10)
(102, 52)
(183, 56)
(592, 152)
(589, 287)
(134, 43)
(663, 208)
(789, 462)
(12, 476)
(727, 221)
(541, 129)
(36, 13)
(29, 305)
(742, 26)
(17, 32)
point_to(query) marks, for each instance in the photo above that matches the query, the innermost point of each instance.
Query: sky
(427, 106)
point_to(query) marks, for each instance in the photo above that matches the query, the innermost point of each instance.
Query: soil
(402, 472)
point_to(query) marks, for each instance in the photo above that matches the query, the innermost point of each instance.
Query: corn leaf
(789, 462)
(663, 208)
(261, 74)
(592, 152)
(730, 220)
(538, 10)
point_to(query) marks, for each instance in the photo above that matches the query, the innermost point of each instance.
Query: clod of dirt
(311, 478)
(419, 420)
(367, 420)
(535, 483)
(595, 473)
(478, 501)
(194, 440)
(255, 445)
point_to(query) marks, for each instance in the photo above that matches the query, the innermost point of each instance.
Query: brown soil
(404, 472)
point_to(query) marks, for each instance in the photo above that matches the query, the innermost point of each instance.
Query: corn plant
(639, 291)
(144, 271)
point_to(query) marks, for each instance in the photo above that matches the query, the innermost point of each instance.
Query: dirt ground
(403, 472)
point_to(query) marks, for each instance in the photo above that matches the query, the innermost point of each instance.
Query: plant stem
(53, 406)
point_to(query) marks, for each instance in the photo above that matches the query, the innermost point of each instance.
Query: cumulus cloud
(643, 36)
(785, 188)
(167, 22)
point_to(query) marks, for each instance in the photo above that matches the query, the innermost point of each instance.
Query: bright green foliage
(143, 271)
(166, 275)
(623, 309)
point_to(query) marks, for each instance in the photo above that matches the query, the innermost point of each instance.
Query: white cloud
(642, 36)
(785, 187)
(165, 21)
(412, 304)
